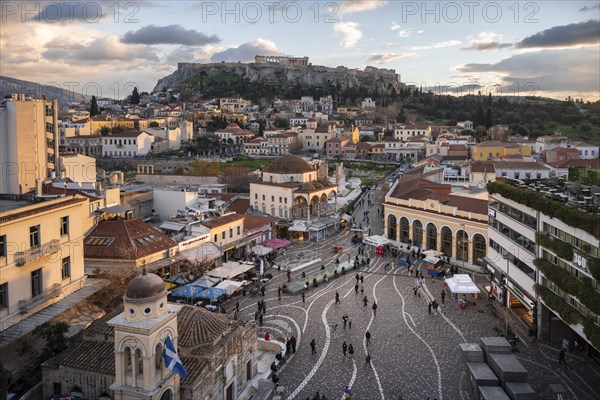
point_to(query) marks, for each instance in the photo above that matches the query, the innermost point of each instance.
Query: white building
(522, 170)
(127, 144)
(406, 131)
(549, 142)
(586, 150)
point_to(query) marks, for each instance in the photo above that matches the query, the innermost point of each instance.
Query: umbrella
(261, 250)
(206, 281)
(211, 293)
(188, 291)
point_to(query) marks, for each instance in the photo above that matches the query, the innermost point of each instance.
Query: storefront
(323, 228)
(521, 305)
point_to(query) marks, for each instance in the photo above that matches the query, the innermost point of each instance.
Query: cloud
(383, 58)
(246, 51)
(98, 51)
(579, 33)
(448, 43)
(352, 6)
(486, 41)
(586, 8)
(574, 70)
(349, 32)
(395, 26)
(388, 45)
(170, 34)
(404, 33)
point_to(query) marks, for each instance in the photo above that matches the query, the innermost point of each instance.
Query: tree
(105, 131)
(135, 96)
(489, 120)
(94, 107)
(153, 124)
(54, 334)
(401, 116)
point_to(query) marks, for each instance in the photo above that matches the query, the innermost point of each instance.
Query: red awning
(276, 243)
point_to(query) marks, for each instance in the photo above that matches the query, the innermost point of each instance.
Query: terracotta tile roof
(200, 326)
(87, 355)
(468, 204)
(224, 220)
(519, 165)
(240, 206)
(594, 164)
(256, 221)
(235, 129)
(483, 166)
(126, 235)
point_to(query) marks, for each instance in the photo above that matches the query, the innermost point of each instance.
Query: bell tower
(140, 333)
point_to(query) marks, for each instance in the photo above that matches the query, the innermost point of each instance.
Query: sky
(541, 48)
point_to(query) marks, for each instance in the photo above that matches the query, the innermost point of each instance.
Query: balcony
(23, 257)
(26, 305)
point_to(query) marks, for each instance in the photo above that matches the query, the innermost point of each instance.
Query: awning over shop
(276, 243)
(431, 260)
(230, 270)
(205, 252)
(261, 250)
(322, 224)
(433, 253)
(376, 240)
(298, 227)
(461, 284)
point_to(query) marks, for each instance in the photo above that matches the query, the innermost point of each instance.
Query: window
(273, 198)
(223, 234)
(36, 282)
(34, 236)
(256, 196)
(216, 238)
(4, 295)
(65, 271)
(263, 197)
(64, 226)
(285, 200)
(238, 229)
(230, 233)
(280, 199)
(3, 246)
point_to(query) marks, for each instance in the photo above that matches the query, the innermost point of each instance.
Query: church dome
(145, 287)
(289, 164)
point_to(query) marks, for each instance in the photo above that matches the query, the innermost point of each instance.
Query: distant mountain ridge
(10, 85)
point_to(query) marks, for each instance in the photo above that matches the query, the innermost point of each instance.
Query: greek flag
(172, 360)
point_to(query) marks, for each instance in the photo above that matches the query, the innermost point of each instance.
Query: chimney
(39, 185)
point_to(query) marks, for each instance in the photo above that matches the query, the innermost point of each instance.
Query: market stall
(434, 265)
(461, 284)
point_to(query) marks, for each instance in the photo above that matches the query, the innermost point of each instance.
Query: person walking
(443, 296)
(365, 301)
(313, 346)
(237, 306)
(561, 356)
(303, 296)
(260, 319)
(368, 360)
(293, 343)
(345, 320)
(429, 308)
(357, 277)
(362, 278)
(336, 334)
(279, 293)
(337, 298)
(344, 348)
(374, 307)
(362, 289)
(349, 323)
(356, 289)
(368, 338)
(262, 290)
(351, 350)
(347, 393)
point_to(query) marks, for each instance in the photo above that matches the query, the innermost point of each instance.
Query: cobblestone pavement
(414, 354)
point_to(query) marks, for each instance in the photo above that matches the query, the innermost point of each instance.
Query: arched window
(392, 227)
(417, 236)
(404, 230)
(431, 236)
(127, 358)
(158, 357)
(446, 234)
(479, 247)
(139, 361)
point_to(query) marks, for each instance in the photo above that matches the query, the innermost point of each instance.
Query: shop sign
(519, 294)
(581, 262)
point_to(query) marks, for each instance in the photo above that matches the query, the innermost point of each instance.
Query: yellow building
(428, 215)
(28, 142)
(41, 254)
(495, 149)
(353, 134)
(226, 231)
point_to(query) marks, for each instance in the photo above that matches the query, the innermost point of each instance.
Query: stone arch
(417, 235)
(158, 357)
(139, 361)
(432, 236)
(167, 394)
(392, 232)
(127, 359)
(299, 208)
(133, 343)
(462, 245)
(404, 226)
(446, 239)
(479, 247)
(314, 205)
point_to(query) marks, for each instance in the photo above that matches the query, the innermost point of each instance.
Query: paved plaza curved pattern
(414, 354)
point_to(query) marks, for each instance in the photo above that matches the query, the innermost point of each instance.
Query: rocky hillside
(36, 90)
(235, 77)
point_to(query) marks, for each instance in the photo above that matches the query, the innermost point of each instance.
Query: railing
(23, 257)
(26, 305)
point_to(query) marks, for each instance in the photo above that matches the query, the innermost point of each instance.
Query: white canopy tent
(229, 286)
(461, 284)
(261, 250)
(376, 240)
(230, 269)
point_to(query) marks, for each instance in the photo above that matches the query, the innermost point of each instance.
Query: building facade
(28, 142)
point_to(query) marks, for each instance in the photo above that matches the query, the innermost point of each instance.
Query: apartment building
(544, 245)
(410, 130)
(28, 142)
(127, 144)
(41, 254)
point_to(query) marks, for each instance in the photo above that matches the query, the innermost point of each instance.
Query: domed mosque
(295, 190)
(121, 355)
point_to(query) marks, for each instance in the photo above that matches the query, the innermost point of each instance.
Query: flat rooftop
(8, 204)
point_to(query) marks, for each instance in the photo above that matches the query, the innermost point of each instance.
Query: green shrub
(556, 303)
(562, 249)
